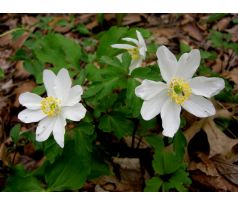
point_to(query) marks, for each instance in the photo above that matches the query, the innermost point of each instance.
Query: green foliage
(22, 181)
(215, 17)
(170, 171)
(1, 73)
(15, 132)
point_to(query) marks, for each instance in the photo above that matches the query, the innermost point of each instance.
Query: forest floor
(212, 153)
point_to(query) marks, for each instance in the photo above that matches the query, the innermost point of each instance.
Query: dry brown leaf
(205, 165)
(220, 144)
(233, 76)
(226, 168)
(212, 183)
(193, 31)
(24, 87)
(222, 24)
(234, 32)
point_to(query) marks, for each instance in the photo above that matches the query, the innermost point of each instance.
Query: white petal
(30, 100)
(141, 40)
(170, 114)
(188, 64)
(49, 82)
(123, 46)
(44, 128)
(206, 87)
(59, 130)
(29, 116)
(167, 63)
(135, 64)
(74, 113)
(74, 95)
(148, 89)
(62, 85)
(142, 52)
(131, 40)
(152, 107)
(199, 106)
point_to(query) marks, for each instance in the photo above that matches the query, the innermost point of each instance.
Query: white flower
(137, 52)
(62, 103)
(180, 90)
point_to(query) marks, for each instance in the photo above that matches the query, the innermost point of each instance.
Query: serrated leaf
(58, 50)
(149, 73)
(21, 181)
(133, 102)
(51, 150)
(153, 184)
(112, 36)
(116, 123)
(15, 132)
(113, 61)
(70, 170)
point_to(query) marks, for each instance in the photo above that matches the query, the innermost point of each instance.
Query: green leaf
(1, 73)
(133, 102)
(70, 170)
(82, 29)
(149, 73)
(179, 144)
(15, 132)
(215, 17)
(184, 48)
(21, 181)
(35, 68)
(179, 179)
(153, 184)
(208, 55)
(93, 73)
(39, 90)
(59, 51)
(113, 61)
(51, 150)
(116, 123)
(112, 36)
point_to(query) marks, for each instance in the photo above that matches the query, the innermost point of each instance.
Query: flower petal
(28, 116)
(74, 95)
(44, 128)
(30, 100)
(149, 89)
(74, 113)
(170, 114)
(188, 64)
(49, 82)
(59, 130)
(206, 87)
(199, 106)
(62, 85)
(131, 40)
(142, 52)
(141, 40)
(123, 46)
(167, 63)
(135, 64)
(151, 108)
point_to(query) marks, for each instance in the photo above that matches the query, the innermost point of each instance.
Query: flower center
(134, 52)
(51, 106)
(179, 90)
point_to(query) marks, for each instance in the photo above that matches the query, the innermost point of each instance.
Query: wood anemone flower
(62, 103)
(137, 51)
(180, 90)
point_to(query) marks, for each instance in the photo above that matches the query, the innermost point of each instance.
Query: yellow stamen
(51, 106)
(179, 90)
(134, 52)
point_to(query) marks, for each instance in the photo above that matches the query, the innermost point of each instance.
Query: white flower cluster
(167, 98)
